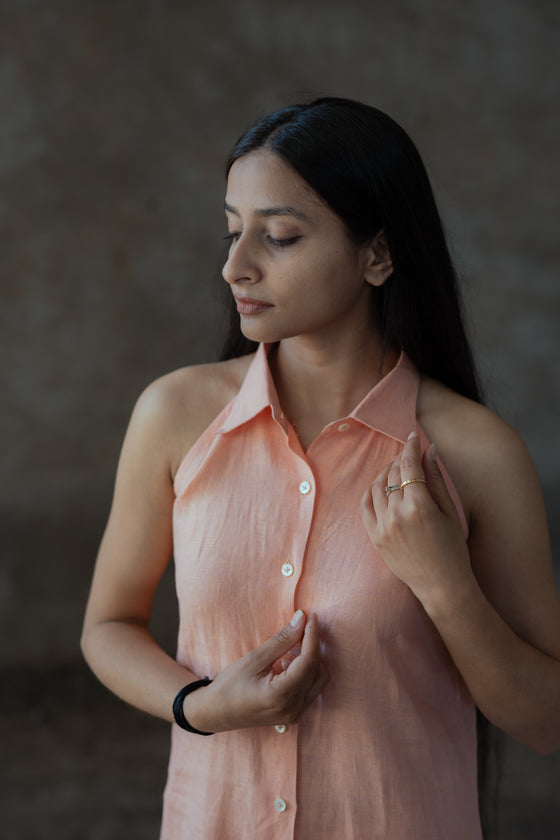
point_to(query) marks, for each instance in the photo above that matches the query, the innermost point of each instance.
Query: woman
(346, 600)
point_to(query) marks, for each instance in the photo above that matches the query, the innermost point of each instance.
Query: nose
(241, 265)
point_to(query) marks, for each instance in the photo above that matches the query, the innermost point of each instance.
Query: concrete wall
(115, 121)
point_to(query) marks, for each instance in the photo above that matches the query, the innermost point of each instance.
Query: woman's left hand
(416, 529)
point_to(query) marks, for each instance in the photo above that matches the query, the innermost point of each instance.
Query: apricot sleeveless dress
(388, 751)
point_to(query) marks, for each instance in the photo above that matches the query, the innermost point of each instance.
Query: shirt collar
(390, 407)
(257, 393)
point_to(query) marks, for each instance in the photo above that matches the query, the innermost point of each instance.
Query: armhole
(196, 455)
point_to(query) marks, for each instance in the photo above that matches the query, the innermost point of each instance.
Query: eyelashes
(282, 243)
(270, 240)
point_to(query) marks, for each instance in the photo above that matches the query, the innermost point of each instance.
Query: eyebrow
(286, 210)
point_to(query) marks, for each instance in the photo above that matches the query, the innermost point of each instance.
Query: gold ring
(391, 489)
(413, 481)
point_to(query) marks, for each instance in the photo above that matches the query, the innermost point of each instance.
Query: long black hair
(368, 171)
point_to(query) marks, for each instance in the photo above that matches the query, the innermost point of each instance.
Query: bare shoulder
(476, 445)
(508, 533)
(180, 405)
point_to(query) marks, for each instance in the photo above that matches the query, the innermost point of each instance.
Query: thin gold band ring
(413, 481)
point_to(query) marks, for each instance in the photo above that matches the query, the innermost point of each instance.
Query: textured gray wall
(116, 118)
(115, 121)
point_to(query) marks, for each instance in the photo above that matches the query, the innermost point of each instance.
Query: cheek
(339, 268)
(325, 279)
(338, 286)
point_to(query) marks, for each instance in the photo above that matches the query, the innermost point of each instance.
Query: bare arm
(134, 553)
(493, 601)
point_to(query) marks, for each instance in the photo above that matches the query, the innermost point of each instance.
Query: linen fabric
(388, 751)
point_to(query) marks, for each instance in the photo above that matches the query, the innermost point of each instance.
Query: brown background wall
(115, 121)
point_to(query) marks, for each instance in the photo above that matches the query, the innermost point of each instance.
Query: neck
(319, 383)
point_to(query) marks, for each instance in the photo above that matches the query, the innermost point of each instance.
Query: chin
(255, 332)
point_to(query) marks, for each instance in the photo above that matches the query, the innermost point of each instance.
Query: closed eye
(282, 243)
(270, 240)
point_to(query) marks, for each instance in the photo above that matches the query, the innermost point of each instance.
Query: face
(291, 265)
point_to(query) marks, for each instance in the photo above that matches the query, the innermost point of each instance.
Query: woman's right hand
(254, 691)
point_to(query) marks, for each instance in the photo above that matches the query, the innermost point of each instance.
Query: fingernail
(296, 618)
(412, 435)
(433, 452)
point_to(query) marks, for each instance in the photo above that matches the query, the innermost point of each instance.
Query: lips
(251, 306)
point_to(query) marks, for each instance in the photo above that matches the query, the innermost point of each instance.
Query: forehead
(262, 179)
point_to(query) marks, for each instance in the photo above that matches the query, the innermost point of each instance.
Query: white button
(343, 427)
(281, 728)
(280, 805)
(304, 488)
(287, 569)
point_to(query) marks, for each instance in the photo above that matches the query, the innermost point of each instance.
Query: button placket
(301, 486)
(305, 489)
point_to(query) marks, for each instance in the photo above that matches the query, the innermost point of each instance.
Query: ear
(379, 264)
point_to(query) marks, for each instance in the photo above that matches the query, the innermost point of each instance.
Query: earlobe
(379, 272)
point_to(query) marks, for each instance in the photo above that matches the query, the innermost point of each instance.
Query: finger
(378, 494)
(284, 640)
(366, 507)
(310, 690)
(318, 685)
(280, 665)
(277, 668)
(394, 480)
(285, 660)
(436, 483)
(289, 657)
(304, 665)
(310, 650)
(310, 641)
(411, 465)
(306, 675)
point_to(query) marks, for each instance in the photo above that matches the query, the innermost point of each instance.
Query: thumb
(283, 641)
(436, 482)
